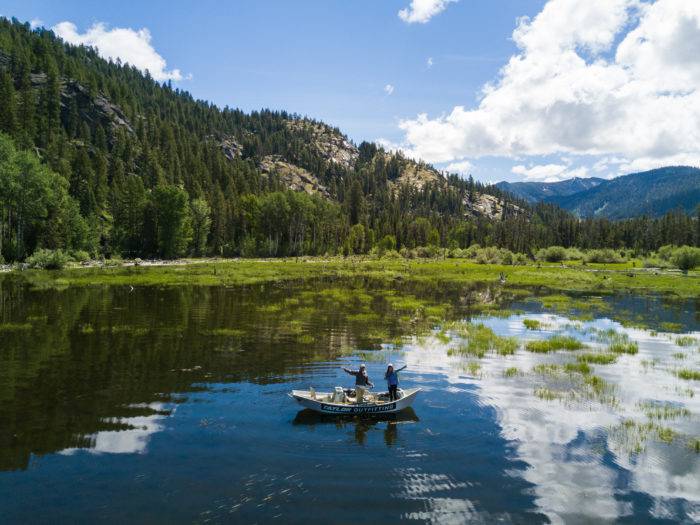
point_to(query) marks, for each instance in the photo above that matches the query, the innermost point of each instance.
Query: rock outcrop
(330, 143)
(293, 177)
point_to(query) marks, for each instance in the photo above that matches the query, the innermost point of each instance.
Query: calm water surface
(170, 405)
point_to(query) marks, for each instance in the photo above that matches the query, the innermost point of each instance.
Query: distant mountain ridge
(539, 191)
(652, 193)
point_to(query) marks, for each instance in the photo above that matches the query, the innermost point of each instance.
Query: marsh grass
(557, 342)
(224, 332)
(686, 340)
(689, 374)
(632, 435)
(671, 327)
(678, 355)
(597, 358)
(618, 342)
(478, 340)
(257, 271)
(532, 324)
(663, 411)
(547, 394)
(15, 327)
(511, 372)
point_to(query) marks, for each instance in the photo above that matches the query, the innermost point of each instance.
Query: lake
(169, 404)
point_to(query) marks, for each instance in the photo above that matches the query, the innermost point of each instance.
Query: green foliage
(551, 254)
(172, 220)
(48, 259)
(686, 258)
(201, 224)
(603, 256)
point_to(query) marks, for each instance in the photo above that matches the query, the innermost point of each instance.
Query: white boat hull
(318, 404)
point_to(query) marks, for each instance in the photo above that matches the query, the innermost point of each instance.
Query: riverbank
(599, 278)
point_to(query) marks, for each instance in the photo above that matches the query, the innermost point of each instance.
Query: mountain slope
(539, 191)
(652, 193)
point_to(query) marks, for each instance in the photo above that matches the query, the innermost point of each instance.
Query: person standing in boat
(361, 377)
(392, 380)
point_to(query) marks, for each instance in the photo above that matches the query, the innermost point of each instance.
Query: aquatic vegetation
(687, 373)
(618, 342)
(622, 347)
(547, 369)
(473, 367)
(87, 328)
(251, 271)
(678, 355)
(443, 337)
(580, 368)
(557, 342)
(671, 327)
(532, 324)
(694, 445)
(686, 340)
(663, 410)
(632, 435)
(305, 339)
(480, 339)
(597, 358)
(548, 394)
(224, 332)
(14, 327)
(511, 372)
(270, 308)
(125, 328)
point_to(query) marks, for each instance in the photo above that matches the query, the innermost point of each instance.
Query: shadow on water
(362, 424)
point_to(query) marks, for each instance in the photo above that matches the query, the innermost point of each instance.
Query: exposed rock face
(293, 177)
(490, 207)
(92, 108)
(230, 147)
(331, 144)
(418, 176)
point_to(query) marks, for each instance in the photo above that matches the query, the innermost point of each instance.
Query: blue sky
(333, 60)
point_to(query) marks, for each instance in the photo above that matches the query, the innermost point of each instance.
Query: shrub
(48, 259)
(686, 258)
(386, 244)
(603, 256)
(551, 254)
(391, 254)
(80, 256)
(574, 254)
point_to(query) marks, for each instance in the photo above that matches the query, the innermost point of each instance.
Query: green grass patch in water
(689, 374)
(686, 340)
(671, 327)
(478, 340)
(532, 324)
(511, 372)
(557, 342)
(663, 411)
(597, 358)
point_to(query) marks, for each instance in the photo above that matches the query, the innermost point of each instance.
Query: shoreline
(599, 278)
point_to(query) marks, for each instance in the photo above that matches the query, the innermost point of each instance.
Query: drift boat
(349, 402)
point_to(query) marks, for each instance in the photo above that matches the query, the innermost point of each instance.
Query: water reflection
(388, 423)
(185, 388)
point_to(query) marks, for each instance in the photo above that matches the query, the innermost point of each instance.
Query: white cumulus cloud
(548, 172)
(36, 22)
(421, 11)
(129, 45)
(389, 89)
(429, 62)
(462, 167)
(617, 78)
